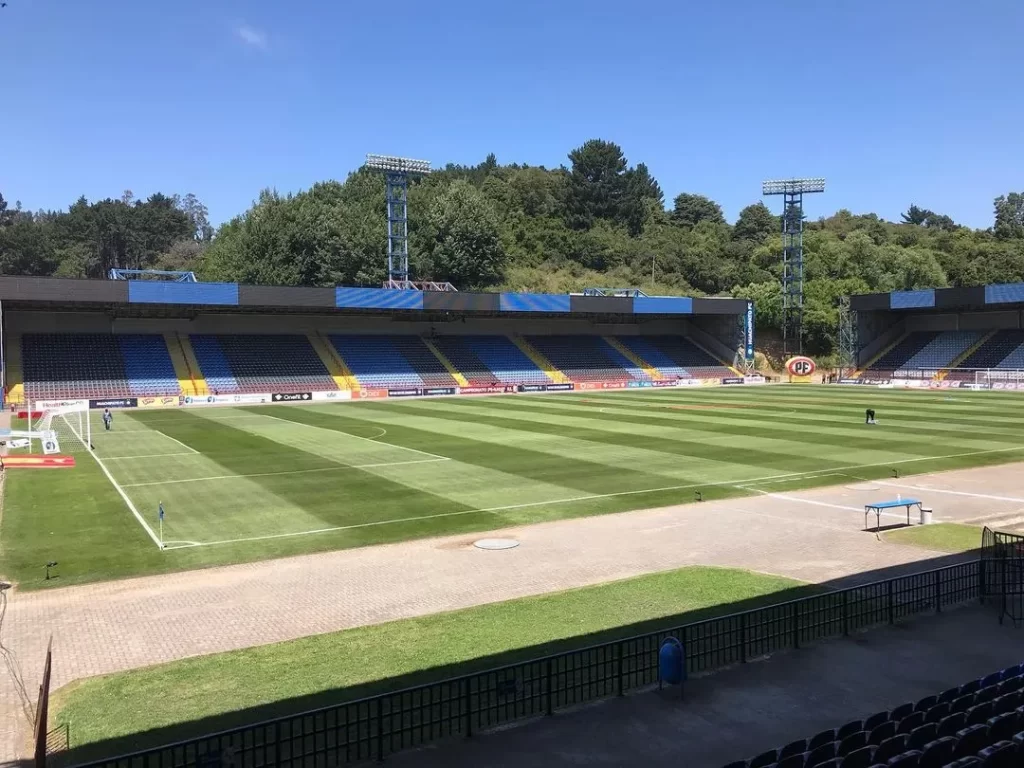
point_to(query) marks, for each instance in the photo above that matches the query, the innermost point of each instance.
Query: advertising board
(115, 402)
(341, 394)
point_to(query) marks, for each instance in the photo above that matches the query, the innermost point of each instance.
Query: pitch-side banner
(115, 402)
(248, 399)
(167, 401)
(341, 394)
(50, 405)
(507, 388)
(291, 397)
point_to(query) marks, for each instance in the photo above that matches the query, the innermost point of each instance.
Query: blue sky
(895, 102)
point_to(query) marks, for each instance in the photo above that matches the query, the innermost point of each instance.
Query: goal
(999, 378)
(66, 428)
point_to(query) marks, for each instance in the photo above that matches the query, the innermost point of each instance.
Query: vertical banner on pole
(748, 332)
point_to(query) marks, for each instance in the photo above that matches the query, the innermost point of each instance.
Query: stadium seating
(214, 365)
(941, 350)
(903, 351)
(979, 723)
(1004, 346)
(586, 358)
(58, 366)
(505, 360)
(423, 361)
(73, 366)
(260, 363)
(148, 366)
(375, 361)
(677, 356)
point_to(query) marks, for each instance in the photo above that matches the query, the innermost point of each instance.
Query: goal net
(66, 429)
(997, 378)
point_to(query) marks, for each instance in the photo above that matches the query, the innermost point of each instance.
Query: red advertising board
(365, 394)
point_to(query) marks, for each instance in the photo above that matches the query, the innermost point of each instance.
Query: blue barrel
(671, 662)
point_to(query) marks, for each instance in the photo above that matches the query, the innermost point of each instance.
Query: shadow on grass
(294, 706)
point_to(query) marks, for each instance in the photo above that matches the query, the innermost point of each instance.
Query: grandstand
(942, 338)
(978, 723)
(214, 340)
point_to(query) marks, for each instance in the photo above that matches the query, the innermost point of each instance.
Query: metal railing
(375, 727)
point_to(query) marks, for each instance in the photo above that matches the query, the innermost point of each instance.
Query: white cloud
(251, 36)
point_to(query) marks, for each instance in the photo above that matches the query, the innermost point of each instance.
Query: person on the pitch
(108, 418)
(869, 416)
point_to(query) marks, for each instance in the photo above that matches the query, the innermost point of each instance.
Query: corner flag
(161, 510)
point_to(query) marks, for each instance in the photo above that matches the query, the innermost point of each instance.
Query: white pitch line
(843, 507)
(186, 447)
(357, 437)
(152, 455)
(123, 495)
(338, 468)
(951, 493)
(589, 497)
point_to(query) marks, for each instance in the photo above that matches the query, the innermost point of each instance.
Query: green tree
(466, 248)
(755, 223)
(597, 184)
(1009, 223)
(689, 210)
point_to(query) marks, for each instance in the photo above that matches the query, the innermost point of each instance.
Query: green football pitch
(242, 484)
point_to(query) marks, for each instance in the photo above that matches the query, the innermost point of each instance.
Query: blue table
(880, 506)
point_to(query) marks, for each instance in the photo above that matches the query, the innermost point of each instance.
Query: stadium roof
(44, 292)
(994, 296)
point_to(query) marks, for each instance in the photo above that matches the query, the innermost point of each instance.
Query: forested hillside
(596, 222)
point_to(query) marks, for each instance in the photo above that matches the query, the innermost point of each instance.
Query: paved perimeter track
(813, 536)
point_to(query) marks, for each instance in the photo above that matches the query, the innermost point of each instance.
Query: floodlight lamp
(395, 164)
(792, 186)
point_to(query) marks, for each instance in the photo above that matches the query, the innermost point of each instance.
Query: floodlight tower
(793, 191)
(397, 171)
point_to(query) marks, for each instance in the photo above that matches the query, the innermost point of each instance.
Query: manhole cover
(496, 544)
(864, 487)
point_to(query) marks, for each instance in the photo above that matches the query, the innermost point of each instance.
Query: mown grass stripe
(799, 429)
(730, 454)
(568, 472)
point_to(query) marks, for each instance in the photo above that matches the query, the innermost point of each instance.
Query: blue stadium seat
(93, 365)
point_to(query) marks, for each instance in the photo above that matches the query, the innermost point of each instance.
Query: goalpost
(66, 428)
(995, 378)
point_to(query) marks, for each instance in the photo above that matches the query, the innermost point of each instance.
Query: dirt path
(813, 536)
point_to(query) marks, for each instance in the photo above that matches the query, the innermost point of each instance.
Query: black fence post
(550, 709)
(892, 608)
(277, 743)
(618, 667)
(938, 591)
(467, 703)
(380, 729)
(846, 612)
(796, 625)
(743, 637)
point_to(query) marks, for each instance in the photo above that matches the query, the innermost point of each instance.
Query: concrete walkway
(814, 536)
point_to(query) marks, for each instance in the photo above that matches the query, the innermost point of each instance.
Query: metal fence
(373, 728)
(1002, 572)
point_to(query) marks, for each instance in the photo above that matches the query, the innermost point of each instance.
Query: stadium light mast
(793, 191)
(397, 171)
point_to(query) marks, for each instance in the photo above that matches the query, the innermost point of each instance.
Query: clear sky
(893, 101)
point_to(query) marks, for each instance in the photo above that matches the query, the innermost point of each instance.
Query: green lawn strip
(210, 693)
(941, 537)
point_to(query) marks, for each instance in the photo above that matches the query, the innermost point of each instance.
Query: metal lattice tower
(848, 342)
(793, 191)
(397, 171)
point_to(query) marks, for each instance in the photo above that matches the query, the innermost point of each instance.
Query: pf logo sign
(800, 366)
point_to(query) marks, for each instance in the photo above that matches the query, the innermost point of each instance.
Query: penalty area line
(739, 484)
(120, 490)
